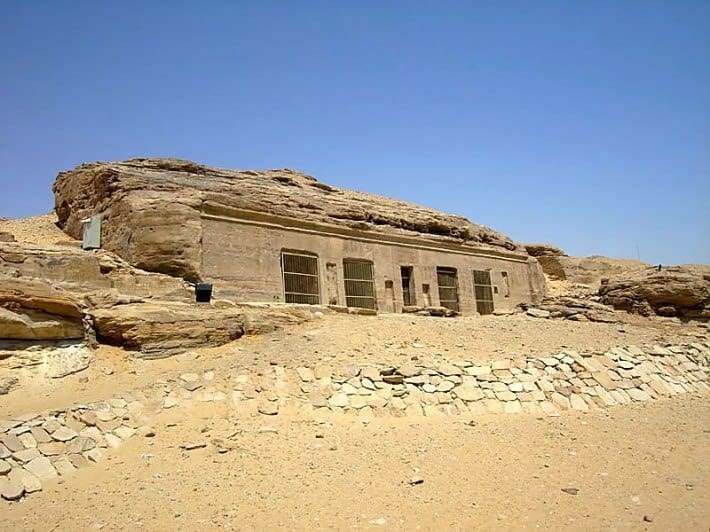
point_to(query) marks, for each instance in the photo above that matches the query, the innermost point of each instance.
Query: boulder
(161, 328)
(152, 209)
(682, 291)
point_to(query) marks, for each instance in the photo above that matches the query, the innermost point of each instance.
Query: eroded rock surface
(152, 208)
(682, 291)
(59, 293)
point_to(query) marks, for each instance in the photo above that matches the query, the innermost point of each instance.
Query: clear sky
(584, 124)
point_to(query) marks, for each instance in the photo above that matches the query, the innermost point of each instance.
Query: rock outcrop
(61, 293)
(584, 270)
(34, 310)
(152, 209)
(682, 291)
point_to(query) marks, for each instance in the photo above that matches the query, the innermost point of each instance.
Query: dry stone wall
(37, 448)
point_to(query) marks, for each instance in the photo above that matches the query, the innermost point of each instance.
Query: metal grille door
(359, 284)
(483, 290)
(300, 275)
(448, 288)
(407, 295)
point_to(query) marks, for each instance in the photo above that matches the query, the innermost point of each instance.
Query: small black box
(203, 292)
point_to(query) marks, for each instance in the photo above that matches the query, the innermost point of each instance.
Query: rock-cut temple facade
(282, 236)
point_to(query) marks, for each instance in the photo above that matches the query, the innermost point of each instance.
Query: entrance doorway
(448, 288)
(408, 298)
(483, 290)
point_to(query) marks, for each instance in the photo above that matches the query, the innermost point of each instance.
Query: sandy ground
(294, 472)
(503, 473)
(638, 467)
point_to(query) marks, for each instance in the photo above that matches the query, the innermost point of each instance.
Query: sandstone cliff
(152, 209)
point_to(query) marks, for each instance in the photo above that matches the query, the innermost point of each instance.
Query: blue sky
(583, 124)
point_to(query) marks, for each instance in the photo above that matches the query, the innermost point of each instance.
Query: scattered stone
(467, 392)
(79, 445)
(393, 379)
(577, 403)
(305, 374)
(53, 448)
(571, 491)
(170, 402)
(408, 370)
(12, 442)
(64, 467)
(27, 479)
(448, 370)
(146, 431)
(339, 400)
(638, 395)
(27, 440)
(42, 468)
(51, 425)
(445, 386)
(191, 386)
(64, 434)
(516, 387)
(7, 384)
(270, 408)
(351, 370)
(124, 432)
(40, 435)
(414, 481)
(538, 313)
(26, 455)
(80, 461)
(193, 445)
(11, 490)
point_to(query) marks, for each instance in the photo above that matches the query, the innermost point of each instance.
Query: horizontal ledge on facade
(216, 212)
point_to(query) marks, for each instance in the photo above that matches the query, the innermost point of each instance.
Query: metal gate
(407, 292)
(448, 288)
(359, 284)
(300, 276)
(483, 291)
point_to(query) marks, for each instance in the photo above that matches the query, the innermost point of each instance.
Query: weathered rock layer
(62, 292)
(153, 209)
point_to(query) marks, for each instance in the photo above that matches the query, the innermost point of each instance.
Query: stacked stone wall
(37, 448)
